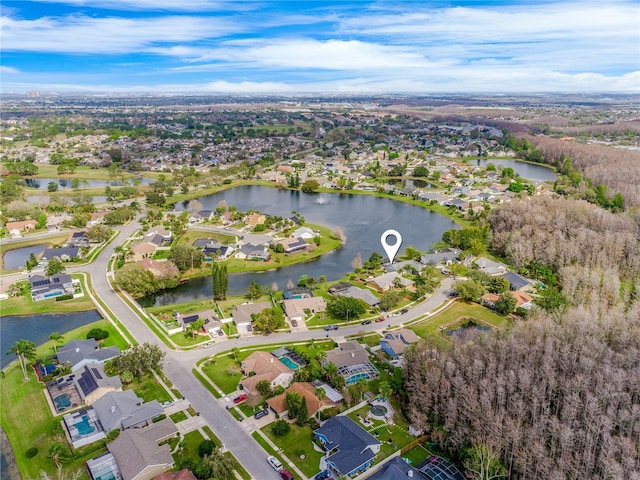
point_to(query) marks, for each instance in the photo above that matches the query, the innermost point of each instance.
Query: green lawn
(417, 455)
(149, 389)
(178, 416)
(28, 242)
(192, 441)
(270, 451)
(431, 328)
(299, 441)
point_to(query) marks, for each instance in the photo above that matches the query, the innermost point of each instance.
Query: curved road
(178, 364)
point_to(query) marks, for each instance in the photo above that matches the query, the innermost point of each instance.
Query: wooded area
(557, 396)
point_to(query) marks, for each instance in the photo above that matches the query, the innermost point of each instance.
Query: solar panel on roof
(87, 383)
(96, 373)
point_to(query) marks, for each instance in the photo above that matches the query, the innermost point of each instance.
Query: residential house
(92, 383)
(97, 218)
(78, 238)
(446, 256)
(490, 267)
(294, 309)
(242, 313)
(55, 222)
(362, 293)
(137, 453)
(43, 287)
(350, 449)
(207, 215)
(16, 229)
(142, 250)
(293, 244)
(159, 236)
(339, 287)
(397, 469)
(79, 353)
(254, 219)
(522, 299)
(305, 232)
(518, 282)
(217, 250)
(352, 361)
(387, 281)
(124, 409)
(183, 474)
(250, 251)
(265, 366)
(64, 254)
(285, 169)
(307, 391)
(158, 268)
(395, 343)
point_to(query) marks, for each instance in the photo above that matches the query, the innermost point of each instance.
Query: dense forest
(558, 395)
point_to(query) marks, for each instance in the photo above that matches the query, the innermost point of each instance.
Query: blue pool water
(289, 363)
(63, 401)
(84, 427)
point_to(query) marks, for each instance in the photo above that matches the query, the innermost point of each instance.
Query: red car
(240, 398)
(381, 319)
(285, 474)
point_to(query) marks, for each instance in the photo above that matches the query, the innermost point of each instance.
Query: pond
(72, 183)
(15, 259)
(37, 328)
(468, 331)
(362, 218)
(530, 171)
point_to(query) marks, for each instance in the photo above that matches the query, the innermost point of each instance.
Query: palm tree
(56, 338)
(321, 393)
(25, 351)
(59, 454)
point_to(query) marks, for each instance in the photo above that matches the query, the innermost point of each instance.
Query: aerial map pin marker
(391, 250)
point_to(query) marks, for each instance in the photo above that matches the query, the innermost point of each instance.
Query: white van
(275, 463)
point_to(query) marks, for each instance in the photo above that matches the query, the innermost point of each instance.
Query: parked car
(285, 474)
(260, 414)
(168, 403)
(294, 323)
(220, 332)
(322, 475)
(331, 327)
(381, 319)
(403, 311)
(240, 398)
(366, 322)
(275, 463)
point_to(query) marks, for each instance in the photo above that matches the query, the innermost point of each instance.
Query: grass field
(298, 442)
(29, 242)
(431, 328)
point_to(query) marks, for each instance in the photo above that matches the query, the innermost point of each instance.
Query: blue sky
(350, 46)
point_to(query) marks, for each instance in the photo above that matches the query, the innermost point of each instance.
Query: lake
(37, 328)
(362, 218)
(530, 171)
(68, 183)
(14, 259)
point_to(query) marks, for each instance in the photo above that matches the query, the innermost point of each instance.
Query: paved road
(178, 364)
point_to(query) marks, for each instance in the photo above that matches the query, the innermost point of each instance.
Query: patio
(62, 395)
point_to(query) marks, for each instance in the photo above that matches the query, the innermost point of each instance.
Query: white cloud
(86, 35)
(8, 70)
(158, 5)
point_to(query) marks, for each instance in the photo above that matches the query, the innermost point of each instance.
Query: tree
(59, 454)
(194, 206)
(140, 360)
(339, 235)
(56, 338)
(54, 266)
(267, 320)
(31, 263)
(412, 253)
(483, 464)
(468, 290)
(505, 304)
(254, 291)
(320, 393)
(52, 187)
(135, 280)
(185, 257)
(390, 299)
(346, 308)
(384, 388)
(98, 233)
(218, 466)
(280, 428)
(356, 263)
(26, 352)
(219, 281)
(420, 171)
(310, 186)
(264, 387)
(206, 447)
(374, 262)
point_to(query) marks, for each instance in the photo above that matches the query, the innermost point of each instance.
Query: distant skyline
(350, 46)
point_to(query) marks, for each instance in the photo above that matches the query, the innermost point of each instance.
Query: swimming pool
(84, 427)
(289, 363)
(62, 402)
